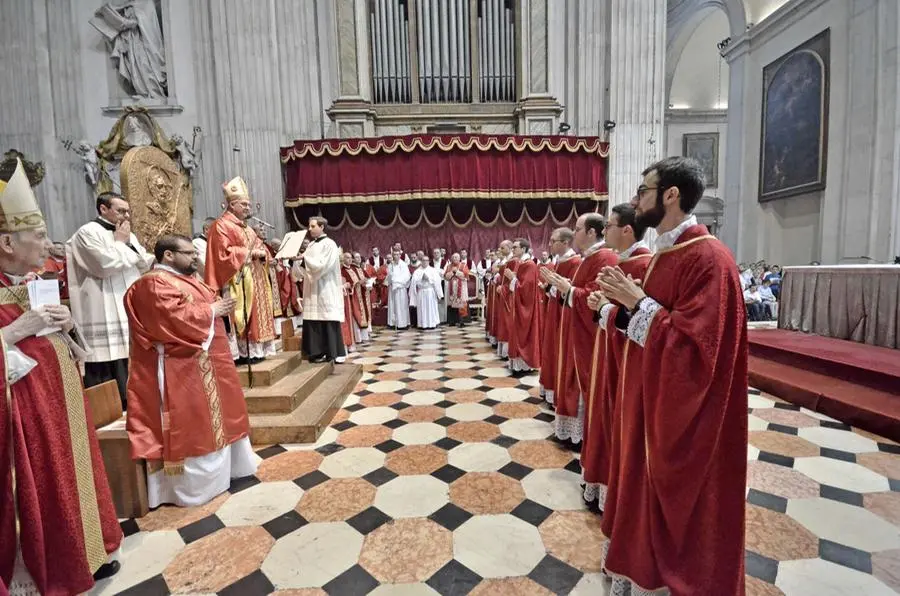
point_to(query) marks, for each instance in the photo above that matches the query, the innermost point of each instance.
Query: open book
(290, 245)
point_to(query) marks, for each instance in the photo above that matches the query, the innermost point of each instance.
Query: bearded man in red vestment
(525, 342)
(57, 520)
(679, 473)
(551, 349)
(623, 234)
(188, 417)
(237, 261)
(579, 331)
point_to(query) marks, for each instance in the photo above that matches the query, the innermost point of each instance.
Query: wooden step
(284, 396)
(271, 370)
(312, 417)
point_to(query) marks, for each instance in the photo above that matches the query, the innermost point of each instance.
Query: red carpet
(849, 381)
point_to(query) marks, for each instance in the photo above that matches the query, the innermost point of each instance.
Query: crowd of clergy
(641, 353)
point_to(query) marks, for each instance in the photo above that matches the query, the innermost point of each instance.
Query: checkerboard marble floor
(437, 477)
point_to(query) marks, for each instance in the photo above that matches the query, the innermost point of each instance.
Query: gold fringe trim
(499, 194)
(173, 468)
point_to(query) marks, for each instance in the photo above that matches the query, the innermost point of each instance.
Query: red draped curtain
(447, 191)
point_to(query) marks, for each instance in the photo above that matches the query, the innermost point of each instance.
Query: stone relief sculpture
(134, 39)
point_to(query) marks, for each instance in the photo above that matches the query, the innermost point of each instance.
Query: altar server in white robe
(398, 280)
(438, 262)
(425, 293)
(323, 296)
(104, 258)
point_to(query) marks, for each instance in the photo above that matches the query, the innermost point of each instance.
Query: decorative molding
(776, 23)
(696, 116)
(166, 109)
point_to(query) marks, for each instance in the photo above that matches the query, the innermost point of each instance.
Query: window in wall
(442, 51)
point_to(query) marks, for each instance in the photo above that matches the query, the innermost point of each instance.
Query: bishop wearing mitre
(237, 263)
(187, 416)
(57, 520)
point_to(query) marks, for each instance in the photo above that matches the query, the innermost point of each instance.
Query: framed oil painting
(704, 147)
(795, 121)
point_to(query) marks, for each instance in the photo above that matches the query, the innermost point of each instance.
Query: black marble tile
(380, 476)
(401, 405)
(450, 516)
(495, 419)
(200, 529)
(753, 391)
(255, 583)
(444, 390)
(388, 446)
(404, 391)
(534, 400)
(363, 393)
(837, 454)
(781, 428)
(354, 407)
(310, 480)
(368, 521)
(764, 499)
(454, 579)
(845, 555)
(481, 378)
(330, 448)
(515, 470)
(894, 483)
(504, 441)
(355, 581)
(129, 527)
(835, 425)
(545, 417)
(447, 443)
(155, 586)
(888, 448)
(760, 567)
(774, 458)
(445, 421)
(574, 466)
(445, 404)
(395, 423)
(787, 406)
(531, 512)
(239, 484)
(284, 524)
(448, 473)
(556, 576)
(346, 424)
(271, 451)
(839, 494)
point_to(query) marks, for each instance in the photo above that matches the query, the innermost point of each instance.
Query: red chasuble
(457, 289)
(596, 446)
(203, 408)
(504, 304)
(525, 342)
(550, 347)
(366, 293)
(287, 291)
(354, 302)
(577, 342)
(67, 519)
(679, 469)
(228, 243)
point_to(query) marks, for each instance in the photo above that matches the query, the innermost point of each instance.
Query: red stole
(354, 304)
(525, 342)
(679, 465)
(366, 292)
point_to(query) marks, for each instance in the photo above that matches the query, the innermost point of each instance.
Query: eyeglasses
(186, 252)
(642, 189)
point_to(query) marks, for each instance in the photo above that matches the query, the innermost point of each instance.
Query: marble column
(537, 111)
(637, 92)
(352, 110)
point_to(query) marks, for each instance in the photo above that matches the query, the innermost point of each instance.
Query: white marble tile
(259, 504)
(531, 380)
(460, 364)
(457, 351)
(426, 375)
(385, 386)
(758, 401)
(469, 412)
(526, 429)
(815, 577)
(842, 474)
(373, 415)
(313, 555)
(400, 353)
(423, 398)
(412, 496)
(352, 463)
(845, 524)
(507, 394)
(818, 416)
(142, 556)
(592, 584)
(498, 546)
(403, 590)
(833, 438)
(419, 433)
(352, 400)
(495, 372)
(367, 360)
(395, 366)
(756, 423)
(427, 358)
(463, 384)
(557, 489)
(328, 436)
(428, 347)
(485, 357)
(752, 453)
(366, 376)
(478, 457)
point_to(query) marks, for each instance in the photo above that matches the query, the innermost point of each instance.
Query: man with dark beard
(675, 511)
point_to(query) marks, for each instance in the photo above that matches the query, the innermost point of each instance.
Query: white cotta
(323, 296)
(100, 270)
(398, 280)
(425, 292)
(200, 246)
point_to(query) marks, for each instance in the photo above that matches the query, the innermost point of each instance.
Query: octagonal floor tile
(756, 423)
(463, 384)
(428, 358)
(484, 493)
(540, 454)
(559, 490)
(142, 556)
(423, 398)
(885, 505)
(782, 444)
(485, 357)
(886, 464)
(508, 394)
(385, 386)
(259, 504)
(758, 401)
(337, 499)
(401, 353)
(313, 555)
(495, 372)
(352, 463)
(213, 563)
(818, 415)
(421, 414)
(368, 435)
(461, 365)
(395, 366)
(288, 465)
(419, 433)
(517, 410)
(780, 481)
(426, 375)
(412, 496)
(469, 412)
(595, 584)
(377, 415)
(501, 382)
(752, 453)
(406, 551)
(329, 435)
(380, 399)
(520, 586)
(786, 417)
(464, 397)
(842, 474)
(514, 547)
(416, 589)
(819, 577)
(833, 438)
(413, 460)
(574, 537)
(172, 518)
(845, 524)
(427, 385)
(778, 536)
(478, 457)
(526, 430)
(473, 432)
(367, 360)
(886, 567)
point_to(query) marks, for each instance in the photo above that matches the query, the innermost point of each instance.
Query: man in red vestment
(500, 307)
(678, 475)
(355, 327)
(237, 261)
(186, 412)
(623, 234)
(525, 342)
(456, 275)
(566, 264)
(367, 283)
(579, 331)
(57, 520)
(55, 268)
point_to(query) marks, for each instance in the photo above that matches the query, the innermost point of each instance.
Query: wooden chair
(127, 477)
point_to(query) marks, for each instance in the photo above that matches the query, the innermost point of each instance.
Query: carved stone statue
(134, 39)
(159, 194)
(186, 155)
(88, 154)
